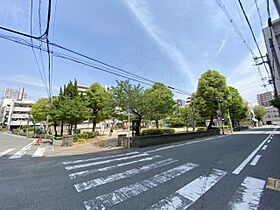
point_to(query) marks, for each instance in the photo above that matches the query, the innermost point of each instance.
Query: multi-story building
(15, 109)
(272, 42)
(272, 116)
(265, 98)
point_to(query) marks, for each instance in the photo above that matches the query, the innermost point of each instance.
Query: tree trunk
(71, 128)
(210, 123)
(157, 124)
(61, 129)
(93, 124)
(34, 128)
(55, 130)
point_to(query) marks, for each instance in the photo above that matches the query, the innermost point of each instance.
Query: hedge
(151, 132)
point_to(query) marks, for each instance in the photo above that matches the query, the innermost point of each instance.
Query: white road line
(124, 193)
(98, 158)
(6, 152)
(123, 175)
(23, 151)
(183, 144)
(247, 160)
(104, 161)
(187, 195)
(39, 152)
(264, 147)
(255, 160)
(108, 168)
(268, 141)
(248, 195)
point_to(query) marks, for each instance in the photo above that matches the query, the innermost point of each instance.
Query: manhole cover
(273, 184)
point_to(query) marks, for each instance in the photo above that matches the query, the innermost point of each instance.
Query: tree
(39, 111)
(181, 116)
(159, 101)
(275, 102)
(260, 112)
(99, 101)
(129, 99)
(212, 90)
(237, 108)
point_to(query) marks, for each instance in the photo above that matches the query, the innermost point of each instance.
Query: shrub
(151, 132)
(91, 134)
(58, 138)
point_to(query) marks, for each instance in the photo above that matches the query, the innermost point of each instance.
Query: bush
(151, 132)
(220, 127)
(58, 137)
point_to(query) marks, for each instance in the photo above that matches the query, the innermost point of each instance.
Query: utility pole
(221, 118)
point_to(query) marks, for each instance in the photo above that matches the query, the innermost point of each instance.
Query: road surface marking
(255, 160)
(183, 144)
(108, 168)
(187, 195)
(23, 151)
(39, 152)
(6, 152)
(103, 162)
(273, 184)
(125, 193)
(264, 147)
(247, 160)
(268, 141)
(98, 158)
(248, 195)
(123, 175)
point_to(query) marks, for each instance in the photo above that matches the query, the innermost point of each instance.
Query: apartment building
(265, 98)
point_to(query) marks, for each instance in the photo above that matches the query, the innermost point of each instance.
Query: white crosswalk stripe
(23, 151)
(108, 168)
(187, 195)
(104, 161)
(114, 177)
(124, 193)
(39, 152)
(6, 152)
(99, 158)
(248, 195)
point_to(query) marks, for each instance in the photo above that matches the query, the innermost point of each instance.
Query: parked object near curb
(67, 141)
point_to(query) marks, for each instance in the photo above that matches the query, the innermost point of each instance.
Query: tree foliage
(211, 88)
(275, 102)
(159, 102)
(99, 101)
(260, 112)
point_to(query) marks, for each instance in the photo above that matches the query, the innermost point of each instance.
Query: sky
(172, 42)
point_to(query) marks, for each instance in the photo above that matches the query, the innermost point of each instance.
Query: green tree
(237, 108)
(39, 111)
(275, 102)
(130, 99)
(260, 112)
(160, 103)
(182, 116)
(212, 90)
(99, 101)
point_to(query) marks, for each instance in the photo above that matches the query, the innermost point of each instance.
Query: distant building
(264, 98)
(272, 116)
(15, 109)
(181, 102)
(82, 89)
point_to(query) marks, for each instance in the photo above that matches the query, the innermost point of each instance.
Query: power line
(259, 13)
(86, 63)
(252, 32)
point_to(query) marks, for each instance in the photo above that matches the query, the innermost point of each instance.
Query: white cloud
(221, 46)
(141, 11)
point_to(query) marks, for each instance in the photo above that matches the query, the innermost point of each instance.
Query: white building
(15, 108)
(272, 117)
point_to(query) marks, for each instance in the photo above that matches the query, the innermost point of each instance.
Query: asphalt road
(224, 172)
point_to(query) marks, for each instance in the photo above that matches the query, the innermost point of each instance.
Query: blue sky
(173, 42)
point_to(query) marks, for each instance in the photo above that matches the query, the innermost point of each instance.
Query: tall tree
(237, 108)
(212, 90)
(130, 100)
(99, 101)
(39, 111)
(159, 101)
(260, 112)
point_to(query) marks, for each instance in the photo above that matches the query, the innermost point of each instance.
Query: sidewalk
(81, 148)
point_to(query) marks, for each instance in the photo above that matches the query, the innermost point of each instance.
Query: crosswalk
(27, 151)
(114, 174)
